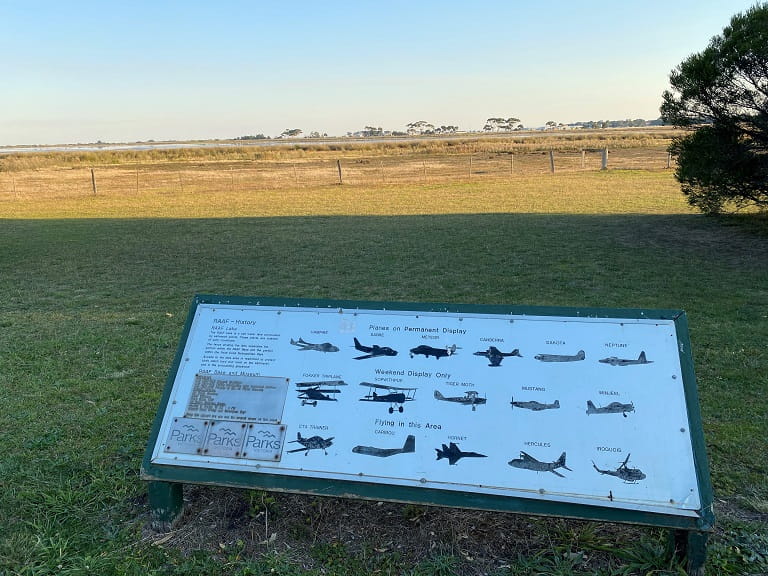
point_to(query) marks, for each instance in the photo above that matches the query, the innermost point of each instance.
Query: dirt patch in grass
(306, 529)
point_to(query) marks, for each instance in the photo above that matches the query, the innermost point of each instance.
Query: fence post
(511, 164)
(338, 165)
(93, 181)
(583, 157)
(604, 165)
(470, 165)
(552, 160)
(669, 160)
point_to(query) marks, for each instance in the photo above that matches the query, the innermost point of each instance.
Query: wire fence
(308, 172)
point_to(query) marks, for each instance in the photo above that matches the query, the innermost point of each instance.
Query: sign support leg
(691, 546)
(166, 500)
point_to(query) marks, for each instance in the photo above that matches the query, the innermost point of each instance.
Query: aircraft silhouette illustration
(438, 353)
(612, 408)
(535, 406)
(311, 396)
(408, 448)
(561, 357)
(629, 475)
(615, 361)
(470, 398)
(304, 346)
(312, 443)
(373, 351)
(495, 356)
(528, 462)
(395, 397)
(453, 454)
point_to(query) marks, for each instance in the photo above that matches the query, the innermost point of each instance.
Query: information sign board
(593, 409)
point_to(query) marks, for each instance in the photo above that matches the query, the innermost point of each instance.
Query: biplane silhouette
(395, 395)
(470, 398)
(310, 393)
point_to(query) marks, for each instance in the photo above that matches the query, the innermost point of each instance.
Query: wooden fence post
(604, 165)
(338, 165)
(93, 181)
(470, 165)
(552, 160)
(511, 164)
(583, 158)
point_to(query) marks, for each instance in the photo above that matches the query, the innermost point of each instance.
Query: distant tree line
(634, 123)
(493, 124)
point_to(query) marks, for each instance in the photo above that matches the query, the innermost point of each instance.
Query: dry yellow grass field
(503, 175)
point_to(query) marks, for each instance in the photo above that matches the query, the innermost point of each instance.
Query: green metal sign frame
(166, 481)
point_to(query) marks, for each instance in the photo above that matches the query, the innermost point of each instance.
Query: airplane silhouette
(528, 462)
(561, 357)
(453, 454)
(438, 353)
(312, 395)
(373, 351)
(535, 406)
(495, 356)
(395, 395)
(612, 408)
(615, 361)
(304, 346)
(629, 475)
(312, 443)
(470, 398)
(408, 448)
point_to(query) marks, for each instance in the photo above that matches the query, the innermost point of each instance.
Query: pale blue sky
(77, 71)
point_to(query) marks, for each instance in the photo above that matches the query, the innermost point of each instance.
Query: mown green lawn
(92, 309)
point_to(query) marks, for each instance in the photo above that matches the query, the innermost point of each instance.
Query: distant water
(139, 146)
(103, 147)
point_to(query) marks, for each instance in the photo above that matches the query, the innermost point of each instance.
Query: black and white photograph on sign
(545, 407)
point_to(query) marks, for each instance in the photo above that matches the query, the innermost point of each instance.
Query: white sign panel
(581, 410)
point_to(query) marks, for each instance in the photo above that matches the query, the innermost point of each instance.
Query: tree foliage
(420, 127)
(502, 124)
(721, 96)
